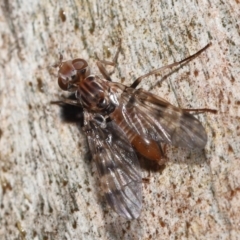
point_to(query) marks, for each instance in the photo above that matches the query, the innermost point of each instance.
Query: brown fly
(120, 121)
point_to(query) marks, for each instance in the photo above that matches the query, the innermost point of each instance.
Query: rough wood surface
(48, 186)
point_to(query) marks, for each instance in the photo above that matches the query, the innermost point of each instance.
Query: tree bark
(49, 187)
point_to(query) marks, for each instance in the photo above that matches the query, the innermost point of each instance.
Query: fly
(120, 121)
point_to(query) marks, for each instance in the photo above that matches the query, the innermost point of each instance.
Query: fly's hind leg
(200, 110)
(101, 64)
(155, 71)
(138, 80)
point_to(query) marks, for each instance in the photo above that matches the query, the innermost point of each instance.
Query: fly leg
(101, 64)
(155, 71)
(200, 110)
(71, 111)
(70, 100)
(67, 101)
(138, 80)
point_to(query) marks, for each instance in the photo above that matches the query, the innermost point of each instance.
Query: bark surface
(48, 186)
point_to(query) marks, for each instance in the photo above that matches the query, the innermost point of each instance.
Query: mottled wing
(154, 118)
(117, 165)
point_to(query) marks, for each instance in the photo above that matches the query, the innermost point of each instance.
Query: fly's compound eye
(66, 74)
(67, 85)
(62, 84)
(81, 66)
(67, 82)
(71, 72)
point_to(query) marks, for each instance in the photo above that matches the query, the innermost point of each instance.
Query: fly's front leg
(71, 111)
(101, 64)
(67, 101)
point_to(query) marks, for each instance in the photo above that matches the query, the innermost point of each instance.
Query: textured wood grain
(49, 188)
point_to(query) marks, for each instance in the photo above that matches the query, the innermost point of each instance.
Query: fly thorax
(93, 93)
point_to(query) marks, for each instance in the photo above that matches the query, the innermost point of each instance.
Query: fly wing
(154, 118)
(117, 165)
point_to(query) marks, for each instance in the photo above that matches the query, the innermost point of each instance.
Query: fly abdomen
(148, 148)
